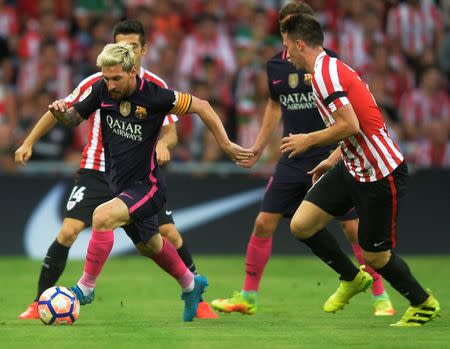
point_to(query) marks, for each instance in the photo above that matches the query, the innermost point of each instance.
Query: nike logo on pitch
(376, 244)
(276, 82)
(106, 105)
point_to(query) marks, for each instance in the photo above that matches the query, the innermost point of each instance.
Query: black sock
(52, 266)
(325, 246)
(186, 257)
(397, 272)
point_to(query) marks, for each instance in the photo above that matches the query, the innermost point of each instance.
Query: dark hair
(294, 8)
(303, 27)
(130, 26)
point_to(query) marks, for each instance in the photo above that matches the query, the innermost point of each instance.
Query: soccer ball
(57, 306)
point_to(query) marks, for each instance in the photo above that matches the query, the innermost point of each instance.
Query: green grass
(138, 306)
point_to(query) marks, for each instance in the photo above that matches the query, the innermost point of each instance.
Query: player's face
(138, 49)
(294, 51)
(119, 82)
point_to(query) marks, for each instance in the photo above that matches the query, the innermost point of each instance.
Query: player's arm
(271, 118)
(209, 117)
(346, 125)
(325, 165)
(45, 124)
(66, 115)
(167, 140)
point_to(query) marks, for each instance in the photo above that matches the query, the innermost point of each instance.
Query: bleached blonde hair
(118, 53)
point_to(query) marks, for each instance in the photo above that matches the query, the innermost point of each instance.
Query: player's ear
(133, 71)
(144, 49)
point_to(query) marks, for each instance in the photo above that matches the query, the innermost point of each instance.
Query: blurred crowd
(217, 50)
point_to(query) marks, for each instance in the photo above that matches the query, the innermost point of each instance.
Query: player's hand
(238, 154)
(59, 106)
(294, 144)
(320, 170)
(23, 154)
(250, 162)
(162, 153)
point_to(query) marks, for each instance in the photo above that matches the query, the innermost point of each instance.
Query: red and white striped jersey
(427, 155)
(93, 156)
(371, 154)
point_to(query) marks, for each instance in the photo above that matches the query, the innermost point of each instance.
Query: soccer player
(291, 99)
(366, 171)
(91, 188)
(132, 112)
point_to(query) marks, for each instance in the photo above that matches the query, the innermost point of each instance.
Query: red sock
(377, 286)
(98, 251)
(258, 253)
(169, 260)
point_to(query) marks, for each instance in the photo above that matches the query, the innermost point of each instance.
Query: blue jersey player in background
(132, 113)
(292, 101)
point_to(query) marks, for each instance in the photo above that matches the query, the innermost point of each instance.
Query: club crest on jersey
(125, 108)
(307, 79)
(293, 80)
(141, 112)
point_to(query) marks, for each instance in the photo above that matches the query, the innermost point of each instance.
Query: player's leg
(106, 218)
(378, 216)
(327, 198)
(89, 191)
(382, 305)
(149, 243)
(281, 197)
(169, 231)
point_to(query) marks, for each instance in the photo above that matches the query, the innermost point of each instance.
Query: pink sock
(258, 253)
(98, 251)
(377, 286)
(169, 260)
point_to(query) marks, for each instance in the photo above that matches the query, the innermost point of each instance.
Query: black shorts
(90, 190)
(284, 195)
(144, 201)
(376, 203)
(165, 216)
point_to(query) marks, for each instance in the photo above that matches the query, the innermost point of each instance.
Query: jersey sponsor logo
(293, 80)
(298, 101)
(307, 79)
(73, 95)
(125, 108)
(276, 82)
(141, 112)
(44, 221)
(86, 93)
(75, 197)
(125, 129)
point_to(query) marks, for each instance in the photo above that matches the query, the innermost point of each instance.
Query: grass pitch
(138, 306)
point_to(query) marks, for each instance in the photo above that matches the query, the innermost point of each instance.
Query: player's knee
(265, 225)
(376, 260)
(102, 218)
(350, 229)
(170, 232)
(69, 233)
(302, 229)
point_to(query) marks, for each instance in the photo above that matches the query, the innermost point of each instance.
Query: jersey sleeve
(170, 102)
(328, 83)
(273, 95)
(89, 102)
(83, 89)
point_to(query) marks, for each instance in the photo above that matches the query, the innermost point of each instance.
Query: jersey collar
(318, 58)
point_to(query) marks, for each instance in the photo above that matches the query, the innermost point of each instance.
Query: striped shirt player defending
(371, 176)
(291, 101)
(91, 188)
(132, 111)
